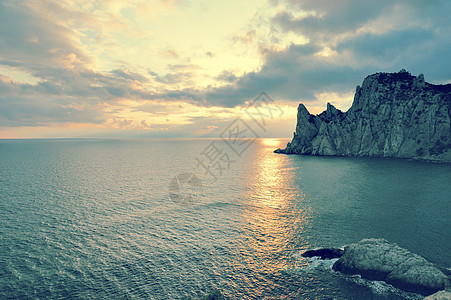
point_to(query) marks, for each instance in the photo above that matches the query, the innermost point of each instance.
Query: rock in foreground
(393, 115)
(376, 259)
(324, 253)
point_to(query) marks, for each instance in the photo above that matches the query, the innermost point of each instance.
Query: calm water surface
(92, 219)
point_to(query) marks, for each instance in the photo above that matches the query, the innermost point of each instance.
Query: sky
(189, 68)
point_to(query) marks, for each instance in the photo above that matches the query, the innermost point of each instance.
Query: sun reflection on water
(272, 179)
(273, 143)
(273, 220)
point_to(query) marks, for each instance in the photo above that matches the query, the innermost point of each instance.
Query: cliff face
(393, 115)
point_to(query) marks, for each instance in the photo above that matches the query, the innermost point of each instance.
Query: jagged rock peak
(392, 115)
(331, 111)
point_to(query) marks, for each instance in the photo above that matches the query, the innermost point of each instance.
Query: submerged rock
(376, 259)
(393, 115)
(324, 253)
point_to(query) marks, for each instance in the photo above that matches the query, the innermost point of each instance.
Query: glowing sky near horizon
(185, 68)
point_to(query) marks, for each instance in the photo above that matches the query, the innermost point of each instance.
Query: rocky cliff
(393, 115)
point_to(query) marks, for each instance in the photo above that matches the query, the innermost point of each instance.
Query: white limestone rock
(393, 115)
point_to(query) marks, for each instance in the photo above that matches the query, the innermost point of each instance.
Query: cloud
(24, 110)
(172, 78)
(294, 74)
(328, 18)
(68, 89)
(129, 75)
(170, 53)
(347, 40)
(35, 43)
(227, 76)
(76, 56)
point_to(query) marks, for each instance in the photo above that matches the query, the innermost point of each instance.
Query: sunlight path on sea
(274, 213)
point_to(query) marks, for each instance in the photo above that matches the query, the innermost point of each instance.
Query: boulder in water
(376, 259)
(324, 253)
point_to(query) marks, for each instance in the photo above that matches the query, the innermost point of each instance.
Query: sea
(178, 218)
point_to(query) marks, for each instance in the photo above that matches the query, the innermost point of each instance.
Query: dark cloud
(34, 42)
(55, 100)
(362, 37)
(172, 78)
(227, 76)
(129, 75)
(180, 73)
(389, 47)
(29, 110)
(40, 46)
(331, 17)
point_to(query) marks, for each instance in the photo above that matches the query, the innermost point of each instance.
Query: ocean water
(101, 219)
